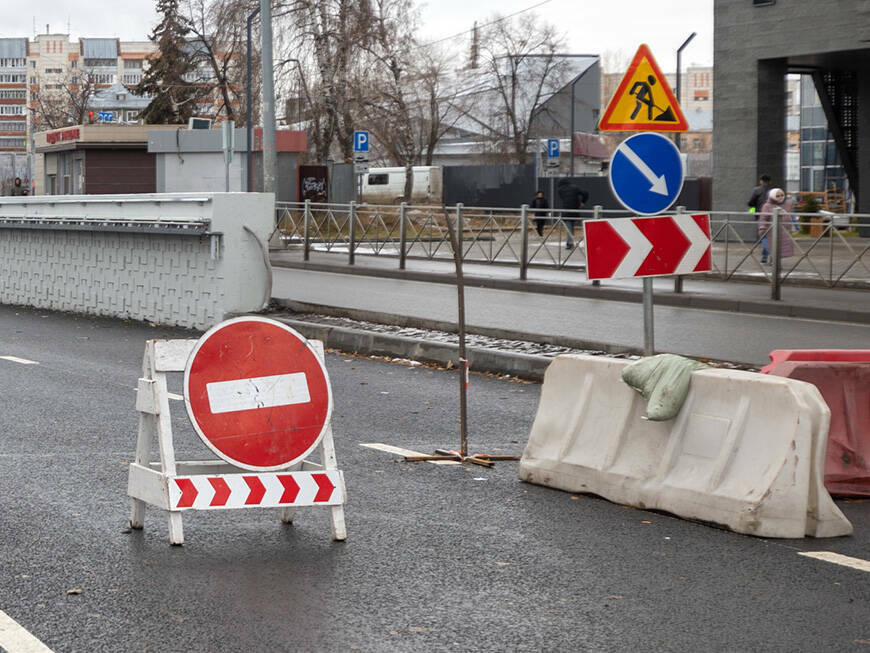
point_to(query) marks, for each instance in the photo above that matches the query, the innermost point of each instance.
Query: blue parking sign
(360, 141)
(553, 148)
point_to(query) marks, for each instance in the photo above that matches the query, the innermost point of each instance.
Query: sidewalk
(808, 302)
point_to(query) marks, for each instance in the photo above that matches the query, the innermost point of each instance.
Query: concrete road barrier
(845, 387)
(746, 450)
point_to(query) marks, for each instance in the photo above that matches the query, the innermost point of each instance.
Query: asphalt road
(439, 558)
(719, 335)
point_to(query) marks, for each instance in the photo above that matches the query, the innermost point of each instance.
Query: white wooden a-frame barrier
(176, 486)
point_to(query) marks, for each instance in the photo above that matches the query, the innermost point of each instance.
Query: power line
(493, 22)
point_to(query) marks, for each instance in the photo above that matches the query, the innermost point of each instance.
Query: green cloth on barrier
(663, 381)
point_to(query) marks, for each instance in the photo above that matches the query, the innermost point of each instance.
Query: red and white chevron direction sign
(263, 490)
(618, 248)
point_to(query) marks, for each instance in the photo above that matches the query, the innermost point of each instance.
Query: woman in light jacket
(776, 199)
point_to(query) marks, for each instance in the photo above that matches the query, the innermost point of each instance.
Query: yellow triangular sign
(644, 101)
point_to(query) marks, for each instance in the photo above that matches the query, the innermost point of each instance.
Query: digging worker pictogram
(642, 92)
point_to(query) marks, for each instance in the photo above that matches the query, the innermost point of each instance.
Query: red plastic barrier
(845, 387)
(830, 355)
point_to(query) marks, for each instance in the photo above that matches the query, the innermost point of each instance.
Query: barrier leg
(176, 530)
(143, 457)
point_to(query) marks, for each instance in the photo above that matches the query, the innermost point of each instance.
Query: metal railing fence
(819, 249)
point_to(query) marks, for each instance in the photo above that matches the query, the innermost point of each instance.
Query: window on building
(379, 180)
(133, 64)
(74, 64)
(101, 63)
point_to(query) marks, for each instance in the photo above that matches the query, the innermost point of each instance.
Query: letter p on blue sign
(360, 141)
(553, 148)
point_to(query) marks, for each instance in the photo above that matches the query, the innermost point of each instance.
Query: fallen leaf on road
(646, 522)
(418, 629)
(76, 591)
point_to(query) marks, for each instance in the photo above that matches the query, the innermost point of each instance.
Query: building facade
(757, 44)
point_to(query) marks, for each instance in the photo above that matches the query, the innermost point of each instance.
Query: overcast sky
(590, 26)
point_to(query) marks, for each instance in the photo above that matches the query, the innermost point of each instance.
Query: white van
(386, 185)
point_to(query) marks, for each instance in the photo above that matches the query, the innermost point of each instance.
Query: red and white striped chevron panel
(618, 248)
(256, 490)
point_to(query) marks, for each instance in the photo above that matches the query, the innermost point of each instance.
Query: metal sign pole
(648, 329)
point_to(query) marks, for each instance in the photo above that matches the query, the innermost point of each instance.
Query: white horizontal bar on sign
(258, 392)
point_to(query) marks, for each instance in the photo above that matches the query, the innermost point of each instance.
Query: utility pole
(269, 145)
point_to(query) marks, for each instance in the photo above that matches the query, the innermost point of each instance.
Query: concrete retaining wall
(181, 259)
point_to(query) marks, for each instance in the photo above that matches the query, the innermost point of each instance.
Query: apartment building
(31, 69)
(13, 95)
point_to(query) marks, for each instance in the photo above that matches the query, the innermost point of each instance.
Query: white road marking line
(837, 559)
(15, 359)
(404, 452)
(15, 639)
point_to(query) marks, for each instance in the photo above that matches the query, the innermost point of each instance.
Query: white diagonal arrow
(639, 248)
(699, 243)
(659, 185)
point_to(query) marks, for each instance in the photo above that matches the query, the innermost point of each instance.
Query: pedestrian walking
(776, 200)
(17, 188)
(540, 202)
(755, 203)
(572, 197)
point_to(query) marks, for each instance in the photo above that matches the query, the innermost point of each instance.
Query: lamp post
(248, 127)
(678, 280)
(679, 96)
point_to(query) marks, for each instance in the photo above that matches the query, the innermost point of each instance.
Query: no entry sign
(257, 393)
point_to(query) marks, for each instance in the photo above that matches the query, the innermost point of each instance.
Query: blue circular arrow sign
(646, 173)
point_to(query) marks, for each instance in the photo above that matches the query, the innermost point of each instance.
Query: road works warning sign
(644, 100)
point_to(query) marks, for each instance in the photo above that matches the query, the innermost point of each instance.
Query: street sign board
(553, 148)
(257, 393)
(105, 116)
(643, 100)
(619, 248)
(646, 173)
(360, 141)
(361, 167)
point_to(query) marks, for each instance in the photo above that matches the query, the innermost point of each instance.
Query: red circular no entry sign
(257, 393)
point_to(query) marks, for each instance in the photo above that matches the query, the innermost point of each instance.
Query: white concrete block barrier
(746, 450)
(182, 259)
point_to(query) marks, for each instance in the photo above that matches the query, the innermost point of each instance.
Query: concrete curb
(684, 300)
(524, 366)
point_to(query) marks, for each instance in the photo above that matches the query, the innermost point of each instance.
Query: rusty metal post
(456, 243)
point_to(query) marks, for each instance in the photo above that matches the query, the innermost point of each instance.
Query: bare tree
(388, 104)
(218, 28)
(439, 97)
(64, 100)
(522, 68)
(331, 30)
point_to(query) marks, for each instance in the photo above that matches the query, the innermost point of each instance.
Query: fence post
(678, 280)
(460, 229)
(403, 233)
(524, 241)
(596, 215)
(351, 233)
(306, 231)
(775, 254)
